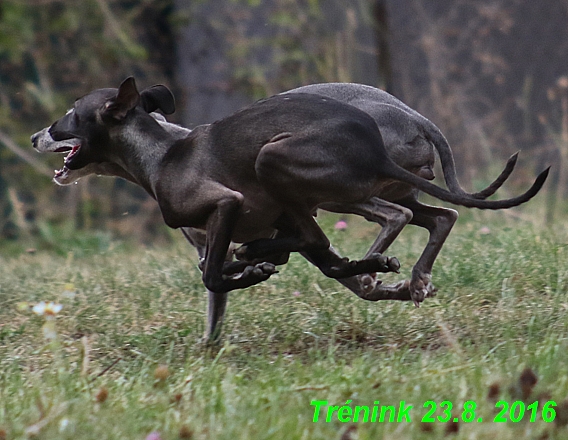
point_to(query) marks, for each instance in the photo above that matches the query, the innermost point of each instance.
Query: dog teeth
(61, 172)
(71, 153)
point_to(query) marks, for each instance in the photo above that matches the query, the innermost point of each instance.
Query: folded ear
(158, 98)
(125, 100)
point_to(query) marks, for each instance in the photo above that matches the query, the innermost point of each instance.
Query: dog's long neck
(143, 145)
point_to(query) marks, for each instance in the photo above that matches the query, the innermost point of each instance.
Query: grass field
(127, 360)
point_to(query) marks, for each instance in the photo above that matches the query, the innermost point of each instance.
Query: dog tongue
(72, 152)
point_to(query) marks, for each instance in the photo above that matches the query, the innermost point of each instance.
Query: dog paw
(421, 287)
(257, 273)
(384, 263)
(265, 269)
(369, 282)
(251, 275)
(393, 264)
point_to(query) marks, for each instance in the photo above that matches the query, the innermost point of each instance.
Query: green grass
(501, 308)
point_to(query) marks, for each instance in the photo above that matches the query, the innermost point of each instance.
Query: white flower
(49, 310)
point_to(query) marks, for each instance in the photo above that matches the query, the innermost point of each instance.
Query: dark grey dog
(326, 123)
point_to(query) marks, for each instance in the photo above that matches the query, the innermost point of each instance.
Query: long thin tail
(498, 182)
(401, 174)
(449, 167)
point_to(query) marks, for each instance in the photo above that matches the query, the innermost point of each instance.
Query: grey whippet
(393, 117)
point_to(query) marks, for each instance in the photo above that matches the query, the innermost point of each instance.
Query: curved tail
(449, 167)
(467, 200)
(498, 182)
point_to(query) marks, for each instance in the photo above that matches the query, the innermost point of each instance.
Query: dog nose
(34, 139)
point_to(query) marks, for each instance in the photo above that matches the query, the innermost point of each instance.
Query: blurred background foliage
(492, 74)
(52, 52)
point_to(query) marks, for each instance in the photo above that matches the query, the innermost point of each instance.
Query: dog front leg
(216, 302)
(216, 306)
(220, 226)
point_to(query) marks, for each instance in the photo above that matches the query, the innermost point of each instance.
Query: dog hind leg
(392, 218)
(439, 222)
(306, 236)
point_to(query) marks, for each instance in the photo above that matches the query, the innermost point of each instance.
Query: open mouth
(72, 153)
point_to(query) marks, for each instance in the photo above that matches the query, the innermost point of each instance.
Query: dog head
(44, 143)
(85, 130)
